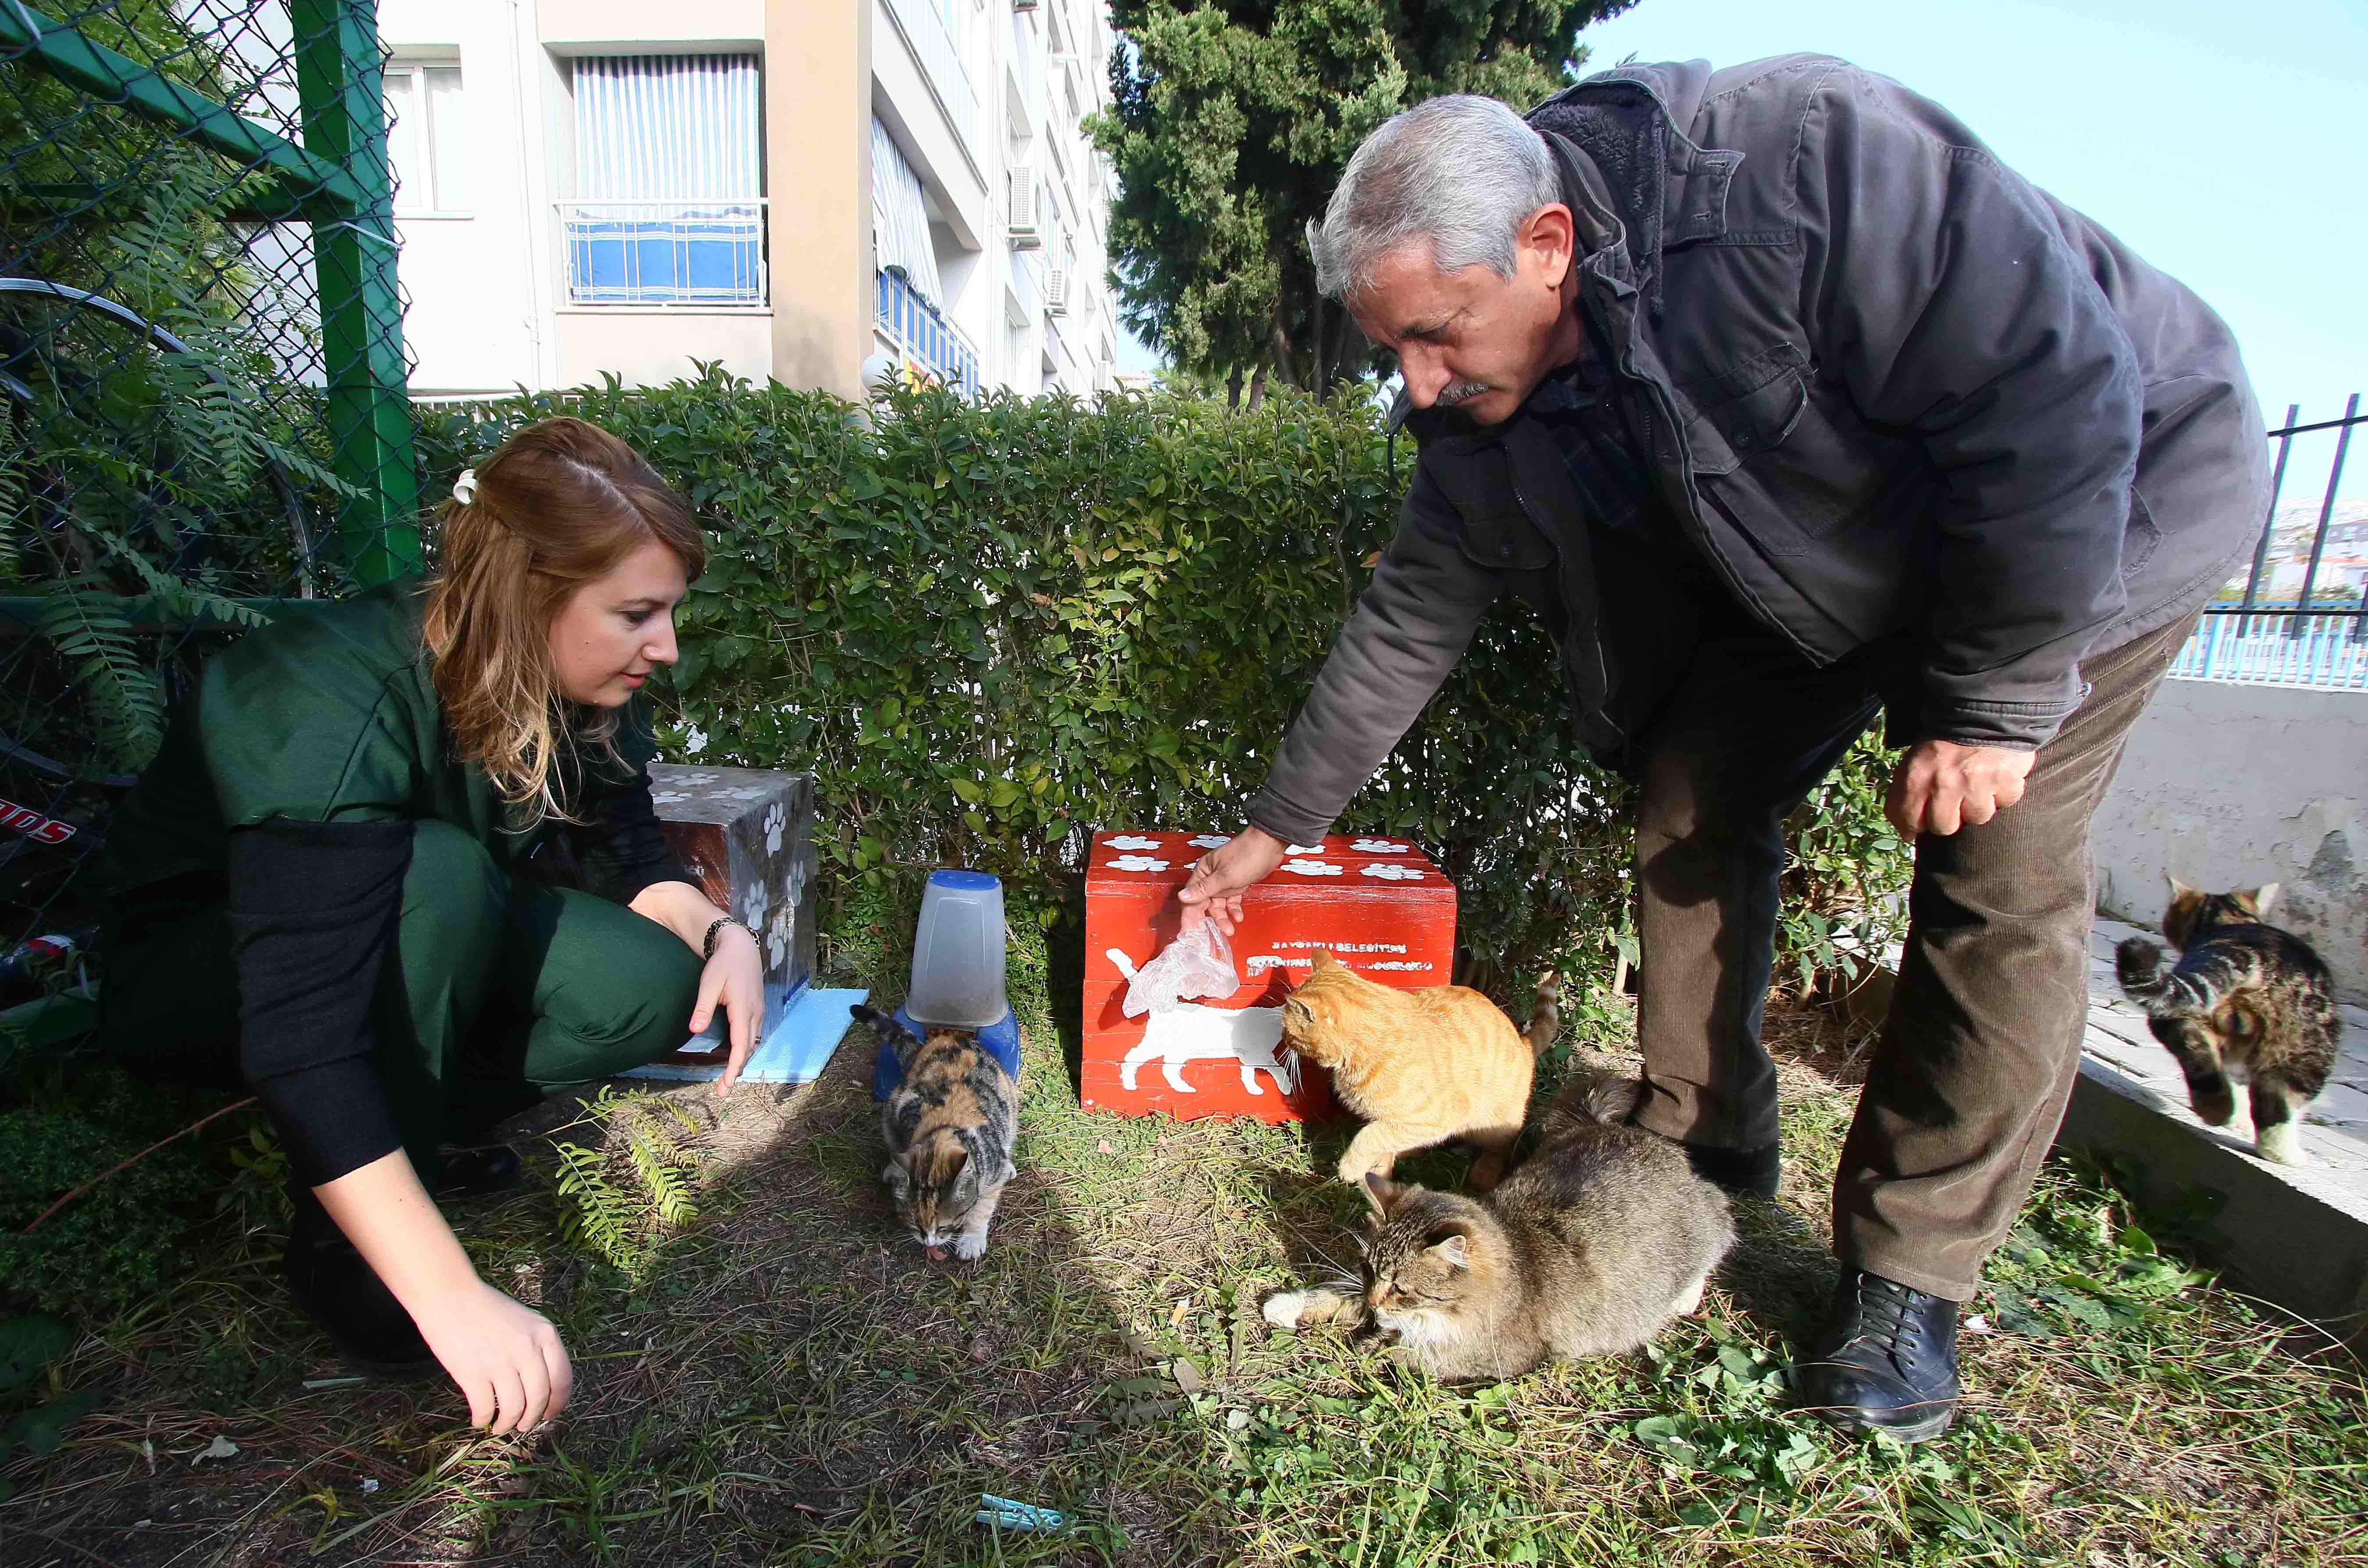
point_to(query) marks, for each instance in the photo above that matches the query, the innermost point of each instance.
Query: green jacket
(329, 716)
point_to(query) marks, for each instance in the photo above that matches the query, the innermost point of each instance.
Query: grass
(785, 1382)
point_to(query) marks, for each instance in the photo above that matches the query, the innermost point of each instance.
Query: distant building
(786, 186)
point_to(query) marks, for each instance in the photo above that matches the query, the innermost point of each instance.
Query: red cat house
(1379, 903)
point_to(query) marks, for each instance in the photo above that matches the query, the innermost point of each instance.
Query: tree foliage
(1231, 122)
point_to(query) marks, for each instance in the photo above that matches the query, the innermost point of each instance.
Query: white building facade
(788, 188)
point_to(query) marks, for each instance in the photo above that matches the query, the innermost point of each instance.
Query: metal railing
(2318, 637)
(925, 337)
(696, 254)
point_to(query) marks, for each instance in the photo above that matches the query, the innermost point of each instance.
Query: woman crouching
(335, 884)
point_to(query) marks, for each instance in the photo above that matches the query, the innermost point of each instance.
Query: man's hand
(1213, 891)
(1940, 786)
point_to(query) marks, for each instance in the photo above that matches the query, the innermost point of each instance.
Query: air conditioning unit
(1056, 291)
(1022, 218)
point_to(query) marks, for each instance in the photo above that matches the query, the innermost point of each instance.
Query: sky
(2223, 142)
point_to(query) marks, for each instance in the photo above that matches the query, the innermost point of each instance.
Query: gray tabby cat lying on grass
(2245, 1000)
(950, 1125)
(1601, 1236)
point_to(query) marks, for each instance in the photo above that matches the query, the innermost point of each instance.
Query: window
(671, 206)
(424, 138)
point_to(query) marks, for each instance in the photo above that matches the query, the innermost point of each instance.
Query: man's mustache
(1460, 392)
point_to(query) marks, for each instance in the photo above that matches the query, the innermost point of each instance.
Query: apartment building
(788, 188)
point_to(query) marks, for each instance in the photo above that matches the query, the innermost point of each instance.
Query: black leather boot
(1887, 1362)
(477, 1173)
(337, 1289)
(1742, 1173)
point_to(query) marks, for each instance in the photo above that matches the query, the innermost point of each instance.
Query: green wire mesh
(201, 379)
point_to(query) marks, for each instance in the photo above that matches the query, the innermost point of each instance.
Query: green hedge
(990, 628)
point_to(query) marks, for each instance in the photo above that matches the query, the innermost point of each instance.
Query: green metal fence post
(368, 414)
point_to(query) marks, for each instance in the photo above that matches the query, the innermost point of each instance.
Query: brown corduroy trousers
(1975, 1062)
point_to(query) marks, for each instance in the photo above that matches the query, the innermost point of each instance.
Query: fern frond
(181, 600)
(594, 1214)
(663, 1178)
(86, 620)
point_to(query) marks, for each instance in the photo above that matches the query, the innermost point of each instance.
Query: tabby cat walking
(2245, 1000)
(950, 1126)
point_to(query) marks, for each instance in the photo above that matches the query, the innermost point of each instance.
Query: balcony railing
(2320, 636)
(924, 337)
(924, 27)
(691, 254)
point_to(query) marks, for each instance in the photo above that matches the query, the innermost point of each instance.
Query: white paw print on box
(1132, 841)
(1137, 863)
(1211, 841)
(1391, 873)
(1379, 846)
(1315, 848)
(777, 817)
(1311, 868)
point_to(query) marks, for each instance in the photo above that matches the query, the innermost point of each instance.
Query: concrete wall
(651, 347)
(818, 168)
(2227, 786)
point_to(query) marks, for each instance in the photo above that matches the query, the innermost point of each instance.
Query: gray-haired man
(1784, 402)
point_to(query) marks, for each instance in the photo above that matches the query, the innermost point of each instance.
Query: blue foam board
(794, 1051)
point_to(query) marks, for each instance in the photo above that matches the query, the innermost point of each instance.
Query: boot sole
(1852, 1419)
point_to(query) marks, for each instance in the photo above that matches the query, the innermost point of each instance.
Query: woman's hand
(506, 1357)
(735, 977)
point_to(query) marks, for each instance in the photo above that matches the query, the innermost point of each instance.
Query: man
(1783, 401)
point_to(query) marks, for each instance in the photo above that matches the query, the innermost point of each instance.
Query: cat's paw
(1282, 1308)
(2135, 961)
(968, 1248)
(2281, 1145)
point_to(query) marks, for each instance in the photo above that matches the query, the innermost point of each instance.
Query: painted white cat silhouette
(1190, 1032)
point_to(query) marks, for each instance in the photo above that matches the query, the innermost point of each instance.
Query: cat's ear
(1382, 1192)
(1453, 1249)
(2259, 899)
(1322, 959)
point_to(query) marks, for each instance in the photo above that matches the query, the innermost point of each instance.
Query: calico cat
(2245, 999)
(1600, 1238)
(1420, 1066)
(950, 1125)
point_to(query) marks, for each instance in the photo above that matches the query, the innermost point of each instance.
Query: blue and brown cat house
(1379, 903)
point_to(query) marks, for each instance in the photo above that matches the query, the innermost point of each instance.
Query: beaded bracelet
(707, 948)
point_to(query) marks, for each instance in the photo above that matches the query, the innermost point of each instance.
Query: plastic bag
(1197, 963)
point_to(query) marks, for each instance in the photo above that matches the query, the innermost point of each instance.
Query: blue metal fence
(927, 336)
(2320, 637)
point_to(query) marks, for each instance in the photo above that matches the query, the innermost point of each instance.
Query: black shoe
(477, 1173)
(1743, 1173)
(1888, 1362)
(338, 1290)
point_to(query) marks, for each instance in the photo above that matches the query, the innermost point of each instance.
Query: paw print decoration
(1137, 863)
(1311, 868)
(1211, 841)
(1393, 873)
(1133, 841)
(777, 817)
(1378, 846)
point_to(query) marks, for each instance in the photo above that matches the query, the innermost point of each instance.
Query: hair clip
(464, 489)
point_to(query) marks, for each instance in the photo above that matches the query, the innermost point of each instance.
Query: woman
(335, 882)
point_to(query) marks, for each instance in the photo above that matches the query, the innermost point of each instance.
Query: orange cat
(1420, 1066)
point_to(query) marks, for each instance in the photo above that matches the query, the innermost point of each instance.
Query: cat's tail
(899, 1039)
(1601, 1100)
(2178, 991)
(1545, 1015)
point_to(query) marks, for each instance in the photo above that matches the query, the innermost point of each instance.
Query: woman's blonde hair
(560, 504)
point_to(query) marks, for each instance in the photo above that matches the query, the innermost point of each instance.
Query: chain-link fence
(202, 382)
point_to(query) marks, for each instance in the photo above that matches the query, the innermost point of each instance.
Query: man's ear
(1553, 235)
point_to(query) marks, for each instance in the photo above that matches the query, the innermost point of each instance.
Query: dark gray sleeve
(1940, 289)
(619, 843)
(1413, 621)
